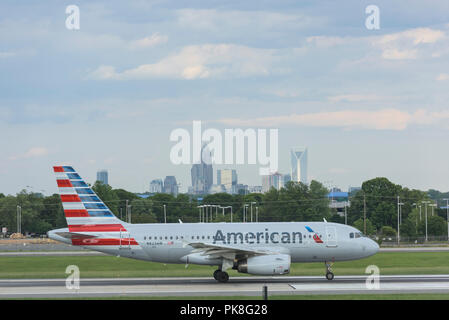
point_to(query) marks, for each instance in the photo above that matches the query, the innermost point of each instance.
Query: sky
(366, 102)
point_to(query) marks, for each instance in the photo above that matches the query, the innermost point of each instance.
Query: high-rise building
(272, 181)
(255, 189)
(227, 178)
(202, 175)
(286, 178)
(298, 157)
(156, 186)
(170, 185)
(102, 176)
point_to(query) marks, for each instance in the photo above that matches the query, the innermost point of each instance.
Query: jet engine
(265, 265)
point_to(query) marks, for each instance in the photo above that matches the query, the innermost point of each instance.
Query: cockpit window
(356, 235)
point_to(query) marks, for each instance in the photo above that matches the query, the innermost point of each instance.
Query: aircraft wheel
(329, 276)
(222, 277)
(216, 272)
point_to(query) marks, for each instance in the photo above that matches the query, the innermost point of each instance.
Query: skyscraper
(170, 185)
(298, 157)
(272, 181)
(102, 176)
(227, 178)
(202, 175)
(156, 186)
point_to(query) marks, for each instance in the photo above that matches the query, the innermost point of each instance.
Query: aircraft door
(331, 237)
(125, 241)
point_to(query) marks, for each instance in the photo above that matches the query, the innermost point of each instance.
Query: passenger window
(351, 235)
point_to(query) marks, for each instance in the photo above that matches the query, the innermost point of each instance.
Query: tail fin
(83, 209)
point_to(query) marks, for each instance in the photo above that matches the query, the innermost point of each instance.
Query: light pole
(257, 214)
(19, 219)
(346, 213)
(416, 223)
(398, 219)
(165, 214)
(447, 216)
(425, 213)
(199, 207)
(245, 207)
(433, 205)
(252, 210)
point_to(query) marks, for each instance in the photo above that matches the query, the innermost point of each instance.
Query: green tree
(436, 226)
(109, 197)
(370, 229)
(388, 231)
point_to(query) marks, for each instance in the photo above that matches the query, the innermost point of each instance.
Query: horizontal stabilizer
(74, 235)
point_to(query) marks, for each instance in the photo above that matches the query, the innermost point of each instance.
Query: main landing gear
(329, 274)
(221, 276)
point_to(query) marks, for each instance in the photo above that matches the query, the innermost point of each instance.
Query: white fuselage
(169, 243)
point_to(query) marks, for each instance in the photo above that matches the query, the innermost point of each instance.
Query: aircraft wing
(228, 252)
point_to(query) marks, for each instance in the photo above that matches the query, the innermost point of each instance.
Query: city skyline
(367, 103)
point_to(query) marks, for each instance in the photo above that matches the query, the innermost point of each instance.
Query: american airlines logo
(257, 237)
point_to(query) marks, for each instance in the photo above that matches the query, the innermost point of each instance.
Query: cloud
(224, 21)
(385, 119)
(408, 44)
(151, 41)
(355, 98)
(199, 62)
(405, 45)
(6, 54)
(34, 152)
(443, 77)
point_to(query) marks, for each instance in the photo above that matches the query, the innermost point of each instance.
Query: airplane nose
(372, 247)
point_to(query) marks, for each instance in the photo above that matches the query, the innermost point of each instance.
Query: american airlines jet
(254, 248)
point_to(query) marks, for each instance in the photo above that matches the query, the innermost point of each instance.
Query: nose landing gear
(329, 274)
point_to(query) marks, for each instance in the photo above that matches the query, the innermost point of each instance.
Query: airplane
(262, 248)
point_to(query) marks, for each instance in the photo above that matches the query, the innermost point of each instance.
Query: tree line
(372, 209)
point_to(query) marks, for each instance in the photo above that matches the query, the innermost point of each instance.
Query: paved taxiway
(237, 286)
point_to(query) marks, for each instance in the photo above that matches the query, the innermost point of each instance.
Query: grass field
(113, 267)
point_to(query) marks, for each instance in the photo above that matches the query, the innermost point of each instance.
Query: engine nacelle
(265, 265)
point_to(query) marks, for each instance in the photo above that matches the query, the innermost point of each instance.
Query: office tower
(227, 178)
(273, 180)
(286, 178)
(156, 186)
(170, 185)
(202, 175)
(298, 157)
(102, 176)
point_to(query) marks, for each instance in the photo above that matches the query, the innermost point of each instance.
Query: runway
(237, 286)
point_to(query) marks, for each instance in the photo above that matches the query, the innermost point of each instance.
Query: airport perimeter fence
(411, 241)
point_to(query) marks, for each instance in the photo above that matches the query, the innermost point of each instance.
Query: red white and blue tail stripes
(86, 213)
